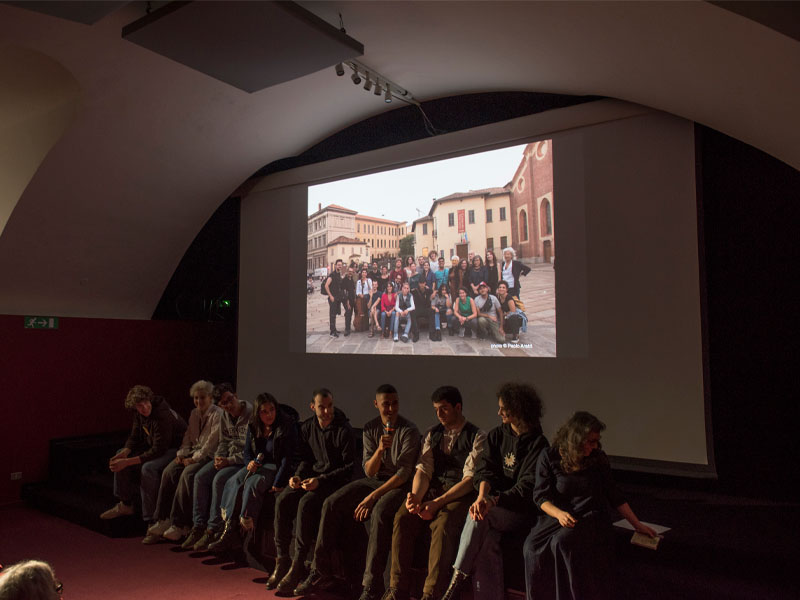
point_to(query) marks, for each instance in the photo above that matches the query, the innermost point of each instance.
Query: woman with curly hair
(269, 449)
(569, 553)
(30, 580)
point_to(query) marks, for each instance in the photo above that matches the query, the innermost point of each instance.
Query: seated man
(440, 497)
(152, 444)
(327, 452)
(391, 447)
(422, 310)
(490, 315)
(174, 505)
(210, 480)
(505, 479)
(404, 311)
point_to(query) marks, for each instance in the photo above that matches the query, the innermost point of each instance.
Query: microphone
(259, 461)
(387, 428)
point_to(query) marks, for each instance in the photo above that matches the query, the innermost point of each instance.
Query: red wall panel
(73, 380)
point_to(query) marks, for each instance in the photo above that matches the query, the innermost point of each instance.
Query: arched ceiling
(156, 147)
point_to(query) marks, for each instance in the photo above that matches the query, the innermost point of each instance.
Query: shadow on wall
(39, 101)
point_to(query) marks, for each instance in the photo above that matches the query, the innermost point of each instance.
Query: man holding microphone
(391, 447)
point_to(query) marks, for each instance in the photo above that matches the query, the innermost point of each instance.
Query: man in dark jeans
(422, 310)
(333, 287)
(391, 446)
(348, 298)
(327, 452)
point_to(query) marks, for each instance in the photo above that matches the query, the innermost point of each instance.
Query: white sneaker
(515, 340)
(173, 534)
(159, 527)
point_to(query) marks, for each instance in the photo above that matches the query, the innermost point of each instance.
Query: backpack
(322, 286)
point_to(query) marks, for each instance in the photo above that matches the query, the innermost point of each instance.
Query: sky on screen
(406, 194)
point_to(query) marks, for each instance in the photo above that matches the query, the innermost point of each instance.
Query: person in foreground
(391, 447)
(327, 452)
(569, 553)
(504, 479)
(441, 494)
(153, 443)
(30, 580)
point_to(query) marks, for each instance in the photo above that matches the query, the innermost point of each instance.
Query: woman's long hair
(569, 440)
(255, 419)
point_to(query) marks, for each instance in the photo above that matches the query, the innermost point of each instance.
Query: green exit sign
(41, 322)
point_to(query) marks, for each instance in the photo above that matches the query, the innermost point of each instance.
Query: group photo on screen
(454, 257)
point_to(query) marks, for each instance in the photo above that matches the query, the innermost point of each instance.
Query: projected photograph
(454, 257)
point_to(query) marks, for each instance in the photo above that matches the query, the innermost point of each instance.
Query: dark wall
(73, 380)
(750, 207)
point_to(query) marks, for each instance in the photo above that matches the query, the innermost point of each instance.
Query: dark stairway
(80, 484)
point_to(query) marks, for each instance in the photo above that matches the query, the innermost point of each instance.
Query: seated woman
(465, 314)
(268, 452)
(569, 553)
(513, 319)
(441, 307)
(174, 504)
(388, 309)
(30, 580)
(373, 308)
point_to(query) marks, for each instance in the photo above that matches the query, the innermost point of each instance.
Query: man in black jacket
(505, 478)
(152, 444)
(440, 496)
(327, 453)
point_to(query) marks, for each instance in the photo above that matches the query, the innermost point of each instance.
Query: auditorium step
(80, 486)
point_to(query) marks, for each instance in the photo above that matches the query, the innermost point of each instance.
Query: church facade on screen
(520, 214)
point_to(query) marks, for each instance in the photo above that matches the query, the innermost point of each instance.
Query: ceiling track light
(382, 86)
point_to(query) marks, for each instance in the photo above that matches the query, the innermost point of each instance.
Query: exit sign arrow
(41, 322)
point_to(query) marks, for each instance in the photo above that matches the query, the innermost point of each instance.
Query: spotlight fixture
(356, 77)
(339, 69)
(388, 97)
(378, 89)
(367, 82)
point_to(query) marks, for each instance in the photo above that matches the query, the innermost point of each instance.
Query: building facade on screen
(519, 214)
(337, 232)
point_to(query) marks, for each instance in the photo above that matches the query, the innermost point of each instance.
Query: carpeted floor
(95, 567)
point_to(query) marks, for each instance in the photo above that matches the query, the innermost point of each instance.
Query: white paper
(659, 529)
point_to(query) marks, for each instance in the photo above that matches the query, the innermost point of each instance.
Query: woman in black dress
(569, 553)
(492, 272)
(477, 274)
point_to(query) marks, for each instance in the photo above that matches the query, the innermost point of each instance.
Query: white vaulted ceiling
(154, 147)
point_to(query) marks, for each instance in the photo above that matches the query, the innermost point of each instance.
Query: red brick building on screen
(532, 209)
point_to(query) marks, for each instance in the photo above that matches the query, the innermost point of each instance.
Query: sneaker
(175, 533)
(194, 537)
(461, 333)
(395, 594)
(371, 593)
(202, 544)
(334, 334)
(120, 509)
(159, 527)
(396, 338)
(515, 340)
(315, 582)
(405, 339)
(151, 538)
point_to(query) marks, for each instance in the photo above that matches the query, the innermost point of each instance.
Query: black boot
(229, 540)
(282, 565)
(453, 591)
(292, 579)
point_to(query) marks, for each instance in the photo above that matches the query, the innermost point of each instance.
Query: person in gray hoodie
(326, 452)
(174, 506)
(210, 480)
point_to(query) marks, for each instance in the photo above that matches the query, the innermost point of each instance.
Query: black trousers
(336, 529)
(297, 515)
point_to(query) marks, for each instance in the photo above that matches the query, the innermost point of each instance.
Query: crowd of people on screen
(204, 484)
(470, 296)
